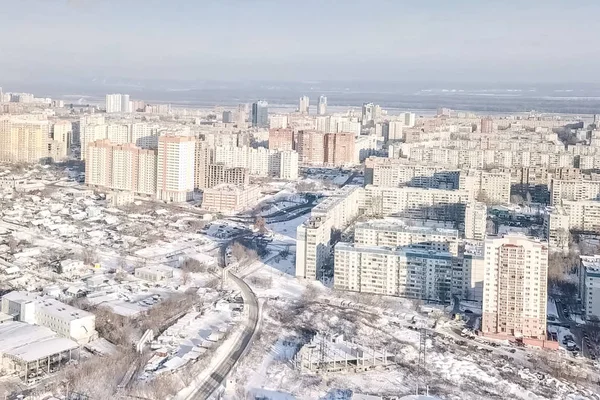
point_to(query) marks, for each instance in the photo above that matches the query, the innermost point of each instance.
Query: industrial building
(32, 351)
(65, 320)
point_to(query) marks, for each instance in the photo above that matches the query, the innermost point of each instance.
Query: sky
(253, 40)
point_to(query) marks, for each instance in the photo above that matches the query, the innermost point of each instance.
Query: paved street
(219, 375)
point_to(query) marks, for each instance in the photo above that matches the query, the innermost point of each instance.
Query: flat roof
(31, 342)
(591, 264)
(51, 306)
(400, 226)
(400, 250)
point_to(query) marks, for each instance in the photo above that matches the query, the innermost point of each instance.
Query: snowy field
(456, 368)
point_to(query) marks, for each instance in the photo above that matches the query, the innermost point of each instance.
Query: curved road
(217, 378)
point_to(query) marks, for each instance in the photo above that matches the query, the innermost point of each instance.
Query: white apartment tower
(322, 106)
(475, 220)
(175, 168)
(118, 103)
(409, 119)
(304, 105)
(515, 287)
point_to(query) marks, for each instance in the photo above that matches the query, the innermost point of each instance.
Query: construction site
(332, 353)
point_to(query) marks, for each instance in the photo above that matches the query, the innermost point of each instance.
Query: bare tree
(186, 278)
(89, 256)
(260, 224)
(13, 243)
(193, 265)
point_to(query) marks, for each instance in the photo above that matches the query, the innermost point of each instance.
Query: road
(216, 379)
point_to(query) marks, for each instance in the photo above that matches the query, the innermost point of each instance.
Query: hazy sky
(442, 40)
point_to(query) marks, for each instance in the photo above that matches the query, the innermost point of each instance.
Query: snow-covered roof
(31, 342)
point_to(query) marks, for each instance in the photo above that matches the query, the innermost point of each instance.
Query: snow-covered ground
(452, 371)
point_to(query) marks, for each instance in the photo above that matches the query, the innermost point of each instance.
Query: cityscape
(301, 236)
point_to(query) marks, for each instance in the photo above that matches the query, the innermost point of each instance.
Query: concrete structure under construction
(334, 354)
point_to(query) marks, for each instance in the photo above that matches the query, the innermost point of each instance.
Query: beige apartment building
(121, 167)
(515, 287)
(311, 147)
(281, 139)
(339, 149)
(230, 198)
(27, 140)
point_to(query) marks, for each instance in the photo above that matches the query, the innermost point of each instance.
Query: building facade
(515, 287)
(175, 168)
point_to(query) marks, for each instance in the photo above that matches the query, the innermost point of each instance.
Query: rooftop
(398, 225)
(31, 342)
(400, 250)
(51, 306)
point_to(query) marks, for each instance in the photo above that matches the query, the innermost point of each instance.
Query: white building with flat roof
(175, 168)
(313, 248)
(66, 320)
(401, 271)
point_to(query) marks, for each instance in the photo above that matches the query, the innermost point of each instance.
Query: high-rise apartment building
(515, 287)
(322, 106)
(25, 140)
(241, 117)
(492, 186)
(118, 103)
(367, 113)
(281, 139)
(395, 233)
(339, 149)
(394, 130)
(475, 220)
(405, 272)
(313, 247)
(62, 131)
(227, 117)
(589, 285)
(175, 168)
(278, 121)
(487, 125)
(121, 167)
(319, 148)
(260, 114)
(409, 119)
(304, 105)
(310, 146)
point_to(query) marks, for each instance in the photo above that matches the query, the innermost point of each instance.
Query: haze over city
(234, 40)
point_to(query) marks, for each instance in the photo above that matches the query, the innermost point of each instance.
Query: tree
(193, 265)
(185, 277)
(89, 256)
(13, 243)
(260, 224)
